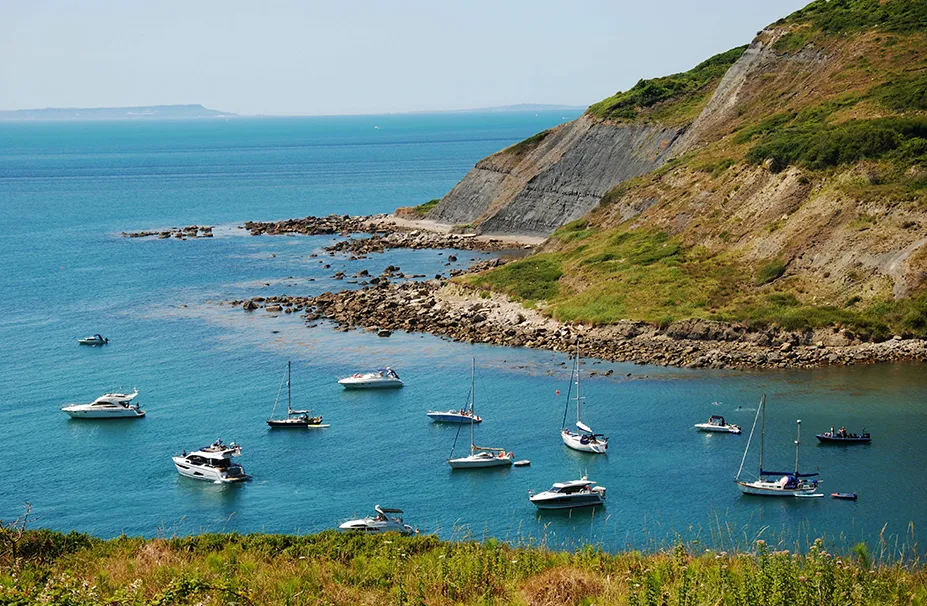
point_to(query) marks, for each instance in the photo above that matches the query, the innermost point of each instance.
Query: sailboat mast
(763, 432)
(797, 446)
(472, 404)
(578, 418)
(289, 406)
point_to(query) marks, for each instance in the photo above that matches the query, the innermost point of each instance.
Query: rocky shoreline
(454, 312)
(181, 233)
(385, 232)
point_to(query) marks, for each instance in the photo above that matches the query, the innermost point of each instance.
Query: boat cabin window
(573, 489)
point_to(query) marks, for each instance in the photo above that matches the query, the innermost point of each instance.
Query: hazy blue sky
(356, 56)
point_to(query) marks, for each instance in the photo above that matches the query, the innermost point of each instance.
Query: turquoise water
(205, 371)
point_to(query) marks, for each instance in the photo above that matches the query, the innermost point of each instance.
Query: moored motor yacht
(379, 379)
(454, 416)
(387, 520)
(212, 463)
(716, 423)
(107, 406)
(96, 339)
(842, 436)
(567, 495)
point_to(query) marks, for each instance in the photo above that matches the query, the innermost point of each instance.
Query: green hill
(796, 196)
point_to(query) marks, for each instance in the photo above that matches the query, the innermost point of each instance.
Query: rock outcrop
(534, 188)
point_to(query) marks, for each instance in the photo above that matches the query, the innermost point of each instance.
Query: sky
(356, 56)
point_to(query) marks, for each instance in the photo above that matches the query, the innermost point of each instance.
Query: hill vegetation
(331, 568)
(799, 197)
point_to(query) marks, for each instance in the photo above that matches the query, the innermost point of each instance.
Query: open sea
(67, 191)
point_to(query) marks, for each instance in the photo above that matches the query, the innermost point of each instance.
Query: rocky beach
(455, 312)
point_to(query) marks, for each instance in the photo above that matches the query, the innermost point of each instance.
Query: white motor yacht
(96, 339)
(212, 463)
(380, 379)
(567, 495)
(107, 406)
(386, 520)
(716, 424)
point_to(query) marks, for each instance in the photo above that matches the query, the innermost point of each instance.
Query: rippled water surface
(206, 371)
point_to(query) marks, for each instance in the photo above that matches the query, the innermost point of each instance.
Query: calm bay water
(205, 371)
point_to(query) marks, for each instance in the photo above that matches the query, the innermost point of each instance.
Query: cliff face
(556, 180)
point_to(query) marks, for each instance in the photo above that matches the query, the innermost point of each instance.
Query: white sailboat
(294, 418)
(480, 456)
(776, 483)
(584, 440)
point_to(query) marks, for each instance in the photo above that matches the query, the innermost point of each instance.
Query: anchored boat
(841, 436)
(212, 463)
(480, 456)
(584, 440)
(297, 419)
(776, 483)
(107, 406)
(380, 379)
(387, 520)
(96, 339)
(567, 495)
(716, 424)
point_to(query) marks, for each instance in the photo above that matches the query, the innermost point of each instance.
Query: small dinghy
(848, 496)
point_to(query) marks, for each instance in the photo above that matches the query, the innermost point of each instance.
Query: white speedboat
(567, 495)
(776, 483)
(380, 379)
(584, 440)
(107, 406)
(480, 456)
(716, 424)
(212, 463)
(96, 339)
(386, 520)
(295, 419)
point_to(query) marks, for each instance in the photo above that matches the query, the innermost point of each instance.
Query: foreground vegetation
(332, 568)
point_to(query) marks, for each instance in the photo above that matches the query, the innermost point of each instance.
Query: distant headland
(145, 112)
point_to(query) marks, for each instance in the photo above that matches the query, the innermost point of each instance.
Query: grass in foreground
(333, 568)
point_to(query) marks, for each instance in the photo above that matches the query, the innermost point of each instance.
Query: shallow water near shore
(208, 371)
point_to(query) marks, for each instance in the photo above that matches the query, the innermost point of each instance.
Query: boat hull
(833, 440)
(79, 413)
(294, 424)
(773, 489)
(558, 501)
(451, 417)
(351, 383)
(717, 428)
(196, 472)
(575, 441)
(480, 462)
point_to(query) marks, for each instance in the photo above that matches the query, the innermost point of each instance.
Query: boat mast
(763, 432)
(578, 419)
(797, 446)
(472, 403)
(289, 408)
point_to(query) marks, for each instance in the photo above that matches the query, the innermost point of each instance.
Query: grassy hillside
(673, 99)
(332, 568)
(802, 200)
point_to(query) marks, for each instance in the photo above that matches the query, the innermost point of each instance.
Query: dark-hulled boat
(841, 436)
(295, 419)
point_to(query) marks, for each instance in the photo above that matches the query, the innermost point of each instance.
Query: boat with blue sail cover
(776, 483)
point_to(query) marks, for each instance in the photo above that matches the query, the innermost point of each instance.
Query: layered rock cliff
(557, 179)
